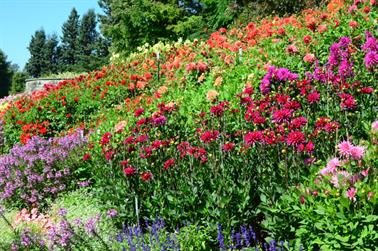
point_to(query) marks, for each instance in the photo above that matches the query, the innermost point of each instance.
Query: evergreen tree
(50, 55)
(5, 74)
(69, 47)
(93, 49)
(87, 40)
(37, 63)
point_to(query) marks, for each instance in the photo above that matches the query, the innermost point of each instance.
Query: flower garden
(262, 137)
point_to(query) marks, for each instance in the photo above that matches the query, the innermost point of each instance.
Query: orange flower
(218, 81)
(162, 89)
(212, 95)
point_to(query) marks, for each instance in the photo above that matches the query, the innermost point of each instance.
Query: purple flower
(111, 213)
(371, 59)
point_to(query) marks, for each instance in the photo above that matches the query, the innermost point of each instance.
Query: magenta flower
(351, 194)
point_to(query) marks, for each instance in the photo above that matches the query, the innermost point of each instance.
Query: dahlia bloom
(351, 194)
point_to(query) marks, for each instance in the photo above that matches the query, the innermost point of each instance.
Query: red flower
(313, 97)
(86, 156)
(42, 130)
(105, 138)
(168, 164)
(124, 163)
(68, 115)
(146, 176)
(281, 115)
(309, 147)
(253, 137)
(109, 155)
(302, 200)
(295, 138)
(138, 112)
(209, 136)
(367, 90)
(129, 171)
(228, 147)
(307, 39)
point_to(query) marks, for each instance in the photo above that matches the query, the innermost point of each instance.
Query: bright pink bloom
(351, 194)
(357, 152)
(295, 138)
(313, 97)
(345, 148)
(253, 137)
(105, 138)
(309, 58)
(209, 136)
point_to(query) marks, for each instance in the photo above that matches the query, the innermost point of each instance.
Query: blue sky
(19, 19)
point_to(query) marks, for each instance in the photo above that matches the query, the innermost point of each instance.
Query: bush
(18, 82)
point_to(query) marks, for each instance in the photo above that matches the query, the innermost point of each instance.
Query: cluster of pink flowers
(339, 176)
(348, 150)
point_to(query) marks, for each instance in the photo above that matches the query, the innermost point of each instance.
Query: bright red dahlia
(295, 138)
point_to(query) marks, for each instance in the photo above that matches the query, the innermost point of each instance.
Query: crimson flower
(86, 156)
(253, 137)
(146, 176)
(295, 138)
(129, 171)
(228, 147)
(168, 164)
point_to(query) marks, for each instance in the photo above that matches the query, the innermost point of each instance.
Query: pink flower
(120, 126)
(331, 167)
(292, 49)
(370, 195)
(374, 125)
(345, 148)
(309, 58)
(365, 172)
(295, 138)
(351, 194)
(357, 152)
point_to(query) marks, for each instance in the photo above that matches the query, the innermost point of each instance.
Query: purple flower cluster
(371, 49)
(137, 239)
(339, 58)
(276, 75)
(39, 169)
(246, 238)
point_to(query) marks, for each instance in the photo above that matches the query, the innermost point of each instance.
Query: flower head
(351, 194)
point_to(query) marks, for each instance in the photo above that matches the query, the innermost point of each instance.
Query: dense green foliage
(5, 74)
(18, 82)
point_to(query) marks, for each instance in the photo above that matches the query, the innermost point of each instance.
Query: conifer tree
(69, 48)
(37, 63)
(50, 55)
